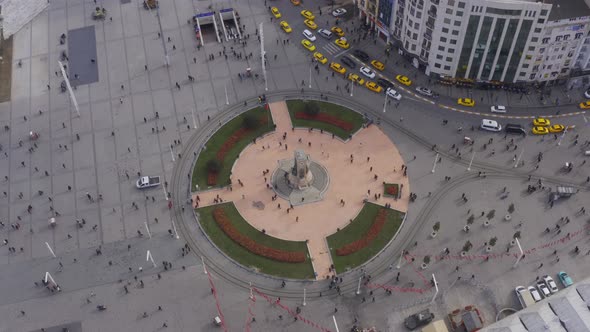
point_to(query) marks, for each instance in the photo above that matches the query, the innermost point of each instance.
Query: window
(526, 65)
(534, 39)
(449, 59)
(408, 33)
(566, 37)
(447, 21)
(558, 38)
(437, 65)
(459, 13)
(578, 35)
(532, 77)
(545, 40)
(559, 56)
(455, 32)
(451, 50)
(453, 41)
(538, 30)
(449, 11)
(443, 39)
(461, 4)
(522, 74)
(441, 48)
(445, 30)
(419, 15)
(416, 25)
(415, 36)
(544, 12)
(528, 57)
(413, 47)
(451, 2)
(447, 67)
(439, 57)
(542, 50)
(541, 21)
(457, 23)
(531, 48)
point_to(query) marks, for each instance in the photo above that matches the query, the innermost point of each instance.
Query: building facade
(487, 40)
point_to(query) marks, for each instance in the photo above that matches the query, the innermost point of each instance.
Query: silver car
(543, 288)
(339, 12)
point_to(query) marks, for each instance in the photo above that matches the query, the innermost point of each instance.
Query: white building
(487, 40)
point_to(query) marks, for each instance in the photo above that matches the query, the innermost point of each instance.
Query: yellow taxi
(373, 86)
(320, 58)
(585, 105)
(335, 66)
(342, 43)
(285, 26)
(275, 12)
(466, 102)
(538, 130)
(556, 128)
(403, 80)
(541, 122)
(356, 78)
(310, 24)
(307, 14)
(307, 44)
(337, 31)
(296, 2)
(378, 65)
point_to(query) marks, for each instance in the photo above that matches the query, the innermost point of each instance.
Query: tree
(467, 246)
(470, 219)
(311, 108)
(493, 241)
(436, 226)
(426, 260)
(213, 165)
(491, 214)
(516, 235)
(250, 122)
(511, 208)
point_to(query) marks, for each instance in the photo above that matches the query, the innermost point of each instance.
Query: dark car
(515, 129)
(419, 319)
(361, 55)
(348, 61)
(384, 83)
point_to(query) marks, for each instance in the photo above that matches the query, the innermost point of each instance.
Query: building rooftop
(564, 9)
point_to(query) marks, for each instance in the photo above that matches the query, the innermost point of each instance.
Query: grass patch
(6, 69)
(214, 144)
(341, 112)
(247, 258)
(356, 230)
(391, 190)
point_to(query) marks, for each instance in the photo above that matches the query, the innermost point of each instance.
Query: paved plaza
(145, 118)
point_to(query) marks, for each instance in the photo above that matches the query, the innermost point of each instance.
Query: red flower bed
(211, 178)
(327, 118)
(392, 190)
(250, 245)
(371, 234)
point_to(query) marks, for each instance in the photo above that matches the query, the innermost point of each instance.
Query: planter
(466, 228)
(424, 266)
(486, 223)
(488, 249)
(507, 217)
(433, 234)
(463, 253)
(512, 243)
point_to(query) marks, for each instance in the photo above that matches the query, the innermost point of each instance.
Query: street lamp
(436, 287)
(521, 252)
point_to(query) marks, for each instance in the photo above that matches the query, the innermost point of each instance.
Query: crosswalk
(331, 49)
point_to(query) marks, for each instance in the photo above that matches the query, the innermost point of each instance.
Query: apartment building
(486, 40)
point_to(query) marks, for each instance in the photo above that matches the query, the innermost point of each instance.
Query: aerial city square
(294, 165)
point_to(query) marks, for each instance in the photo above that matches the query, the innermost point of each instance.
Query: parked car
(308, 35)
(498, 109)
(361, 55)
(535, 294)
(424, 91)
(348, 61)
(338, 12)
(384, 83)
(543, 288)
(418, 319)
(565, 279)
(524, 297)
(393, 94)
(551, 284)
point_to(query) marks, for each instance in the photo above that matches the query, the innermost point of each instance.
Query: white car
(535, 294)
(367, 72)
(424, 91)
(551, 284)
(339, 12)
(308, 35)
(587, 94)
(543, 288)
(393, 94)
(498, 109)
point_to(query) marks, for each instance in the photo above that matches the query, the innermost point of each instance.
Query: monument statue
(300, 176)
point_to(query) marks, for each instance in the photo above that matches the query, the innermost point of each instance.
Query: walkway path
(348, 181)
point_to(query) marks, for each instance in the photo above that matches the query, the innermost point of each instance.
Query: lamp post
(521, 252)
(70, 91)
(436, 287)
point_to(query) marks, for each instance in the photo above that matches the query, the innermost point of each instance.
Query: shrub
(426, 260)
(467, 246)
(392, 189)
(493, 241)
(491, 214)
(470, 219)
(436, 226)
(214, 166)
(511, 208)
(311, 108)
(250, 122)
(516, 235)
